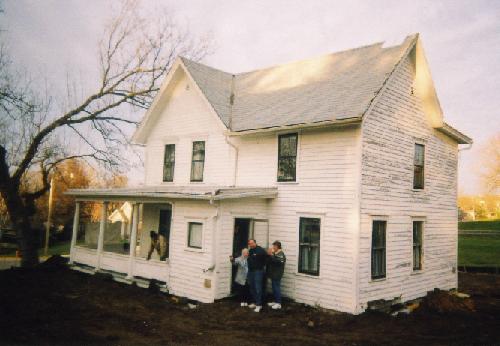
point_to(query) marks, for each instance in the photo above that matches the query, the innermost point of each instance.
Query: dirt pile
(445, 302)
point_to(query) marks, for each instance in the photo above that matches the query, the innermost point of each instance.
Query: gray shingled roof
(331, 87)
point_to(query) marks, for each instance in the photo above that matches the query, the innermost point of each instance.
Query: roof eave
(320, 124)
(453, 133)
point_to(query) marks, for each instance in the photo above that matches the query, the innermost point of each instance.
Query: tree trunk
(20, 214)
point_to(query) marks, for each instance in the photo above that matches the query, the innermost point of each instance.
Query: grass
(479, 250)
(61, 248)
(480, 225)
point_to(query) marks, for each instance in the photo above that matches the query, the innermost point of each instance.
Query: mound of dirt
(439, 301)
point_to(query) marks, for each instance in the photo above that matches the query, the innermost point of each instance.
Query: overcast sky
(461, 40)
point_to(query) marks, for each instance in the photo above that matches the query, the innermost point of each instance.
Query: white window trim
(175, 143)
(321, 217)
(425, 144)
(203, 231)
(386, 219)
(422, 255)
(297, 160)
(198, 138)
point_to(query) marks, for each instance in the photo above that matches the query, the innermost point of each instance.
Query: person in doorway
(256, 264)
(155, 244)
(240, 281)
(276, 267)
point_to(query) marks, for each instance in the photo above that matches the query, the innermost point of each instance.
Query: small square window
(195, 235)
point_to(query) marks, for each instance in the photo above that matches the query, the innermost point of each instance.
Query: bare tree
(134, 55)
(490, 168)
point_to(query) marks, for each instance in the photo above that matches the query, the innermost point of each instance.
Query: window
(195, 235)
(418, 167)
(417, 244)
(287, 157)
(309, 234)
(378, 249)
(198, 161)
(169, 162)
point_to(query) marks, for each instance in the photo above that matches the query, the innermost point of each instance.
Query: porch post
(76, 224)
(102, 228)
(133, 239)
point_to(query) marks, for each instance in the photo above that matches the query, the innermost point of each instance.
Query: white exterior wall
(187, 267)
(327, 187)
(390, 132)
(186, 118)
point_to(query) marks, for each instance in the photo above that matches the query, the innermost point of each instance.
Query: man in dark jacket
(276, 268)
(256, 262)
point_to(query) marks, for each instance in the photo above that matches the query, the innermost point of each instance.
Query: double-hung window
(309, 236)
(418, 167)
(198, 161)
(417, 244)
(169, 163)
(195, 235)
(378, 249)
(287, 157)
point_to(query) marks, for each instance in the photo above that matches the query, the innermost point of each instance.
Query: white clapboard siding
(184, 119)
(390, 131)
(326, 187)
(228, 211)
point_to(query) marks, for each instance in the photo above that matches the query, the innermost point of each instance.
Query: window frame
(188, 240)
(300, 269)
(202, 161)
(418, 166)
(165, 162)
(420, 245)
(284, 135)
(383, 248)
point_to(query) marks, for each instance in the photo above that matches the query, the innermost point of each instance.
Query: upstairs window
(309, 235)
(169, 162)
(417, 244)
(418, 167)
(287, 157)
(378, 249)
(198, 161)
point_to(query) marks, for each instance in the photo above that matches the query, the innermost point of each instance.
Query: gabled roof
(327, 88)
(330, 89)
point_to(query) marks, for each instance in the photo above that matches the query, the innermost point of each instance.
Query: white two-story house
(345, 158)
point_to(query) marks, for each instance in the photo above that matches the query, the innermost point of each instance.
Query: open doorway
(241, 234)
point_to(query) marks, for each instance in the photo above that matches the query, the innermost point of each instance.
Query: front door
(241, 234)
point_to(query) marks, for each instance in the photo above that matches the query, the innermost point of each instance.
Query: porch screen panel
(198, 161)
(261, 232)
(378, 249)
(417, 244)
(309, 249)
(287, 157)
(169, 163)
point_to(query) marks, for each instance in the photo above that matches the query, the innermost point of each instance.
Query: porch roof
(155, 193)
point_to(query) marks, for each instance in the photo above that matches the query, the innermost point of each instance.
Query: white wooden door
(260, 232)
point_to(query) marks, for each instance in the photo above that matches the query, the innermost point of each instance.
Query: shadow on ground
(53, 305)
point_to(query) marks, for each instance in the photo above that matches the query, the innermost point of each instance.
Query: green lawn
(479, 250)
(480, 225)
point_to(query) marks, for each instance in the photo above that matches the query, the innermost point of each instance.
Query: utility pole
(49, 218)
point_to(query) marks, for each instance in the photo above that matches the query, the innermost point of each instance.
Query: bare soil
(53, 305)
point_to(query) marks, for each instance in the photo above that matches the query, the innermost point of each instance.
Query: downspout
(236, 151)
